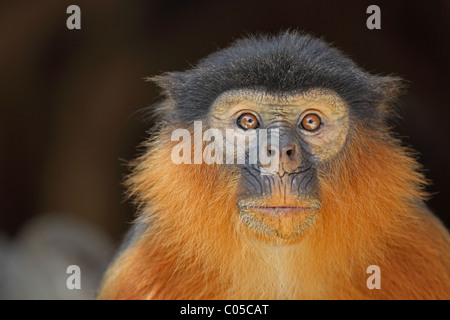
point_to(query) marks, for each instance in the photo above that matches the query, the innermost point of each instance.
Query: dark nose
(289, 152)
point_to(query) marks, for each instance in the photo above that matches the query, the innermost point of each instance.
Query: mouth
(286, 222)
(280, 210)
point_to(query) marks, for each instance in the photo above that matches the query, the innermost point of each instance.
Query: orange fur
(196, 247)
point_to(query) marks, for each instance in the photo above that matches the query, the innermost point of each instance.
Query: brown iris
(311, 122)
(248, 121)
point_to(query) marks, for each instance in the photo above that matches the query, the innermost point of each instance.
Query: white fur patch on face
(288, 110)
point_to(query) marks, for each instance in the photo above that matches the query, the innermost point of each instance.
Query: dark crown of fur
(284, 64)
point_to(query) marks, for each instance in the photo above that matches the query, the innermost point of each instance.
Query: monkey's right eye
(247, 121)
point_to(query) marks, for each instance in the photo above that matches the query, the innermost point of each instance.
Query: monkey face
(281, 199)
(295, 84)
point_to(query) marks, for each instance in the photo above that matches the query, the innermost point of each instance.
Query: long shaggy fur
(372, 213)
(192, 243)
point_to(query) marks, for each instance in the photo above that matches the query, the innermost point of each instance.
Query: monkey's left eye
(311, 122)
(247, 121)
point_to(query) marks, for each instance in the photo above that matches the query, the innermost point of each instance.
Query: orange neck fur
(196, 246)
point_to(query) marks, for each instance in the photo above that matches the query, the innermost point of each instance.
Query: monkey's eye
(311, 122)
(247, 121)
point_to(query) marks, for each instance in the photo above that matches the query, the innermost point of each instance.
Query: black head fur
(284, 64)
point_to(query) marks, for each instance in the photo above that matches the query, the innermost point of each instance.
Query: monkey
(344, 193)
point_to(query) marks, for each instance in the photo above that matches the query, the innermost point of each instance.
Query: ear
(167, 82)
(392, 87)
(389, 88)
(165, 110)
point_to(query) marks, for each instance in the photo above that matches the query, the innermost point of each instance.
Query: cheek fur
(330, 141)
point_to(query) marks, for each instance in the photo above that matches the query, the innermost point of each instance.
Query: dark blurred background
(70, 101)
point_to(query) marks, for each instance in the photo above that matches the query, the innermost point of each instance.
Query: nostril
(270, 152)
(290, 152)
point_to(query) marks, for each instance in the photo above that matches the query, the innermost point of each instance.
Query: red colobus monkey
(344, 194)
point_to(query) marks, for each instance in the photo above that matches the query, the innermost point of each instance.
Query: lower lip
(280, 210)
